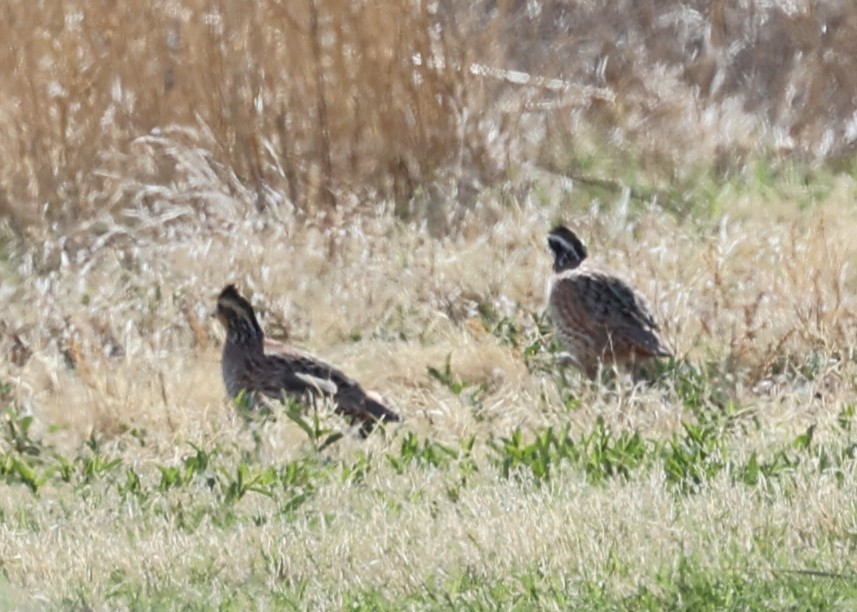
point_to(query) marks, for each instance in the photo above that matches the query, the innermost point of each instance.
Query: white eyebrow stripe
(565, 245)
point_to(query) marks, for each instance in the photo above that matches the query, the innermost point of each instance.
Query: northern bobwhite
(255, 365)
(598, 316)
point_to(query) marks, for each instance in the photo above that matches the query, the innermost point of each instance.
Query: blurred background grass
(112, 111)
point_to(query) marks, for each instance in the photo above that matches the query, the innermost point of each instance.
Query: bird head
(568, 250)
(237, 317)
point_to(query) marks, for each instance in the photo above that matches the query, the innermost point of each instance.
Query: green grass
(688, 588)
(207, 489)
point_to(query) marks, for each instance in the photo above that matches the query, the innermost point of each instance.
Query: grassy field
(383, 199)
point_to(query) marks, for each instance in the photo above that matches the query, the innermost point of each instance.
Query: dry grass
(379, 200)
(315, 104)
(139, 354)
(302, 103)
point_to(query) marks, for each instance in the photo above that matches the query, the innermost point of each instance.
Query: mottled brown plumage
(255, 365)
(598, 316)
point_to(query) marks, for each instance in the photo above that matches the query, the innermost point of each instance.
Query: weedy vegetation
(379, 180)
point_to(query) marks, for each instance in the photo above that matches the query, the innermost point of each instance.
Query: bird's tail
(367, 409)
(374, 405)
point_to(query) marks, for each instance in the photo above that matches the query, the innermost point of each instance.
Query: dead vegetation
(314, 104)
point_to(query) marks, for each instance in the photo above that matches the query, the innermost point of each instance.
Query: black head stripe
(239, 312)
(230, 293)
(569, 250)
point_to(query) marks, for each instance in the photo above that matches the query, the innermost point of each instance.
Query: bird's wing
(320, 385)
(319, 377)
(612, 304)
(607, 299)
(322, 379)
(634, 305)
